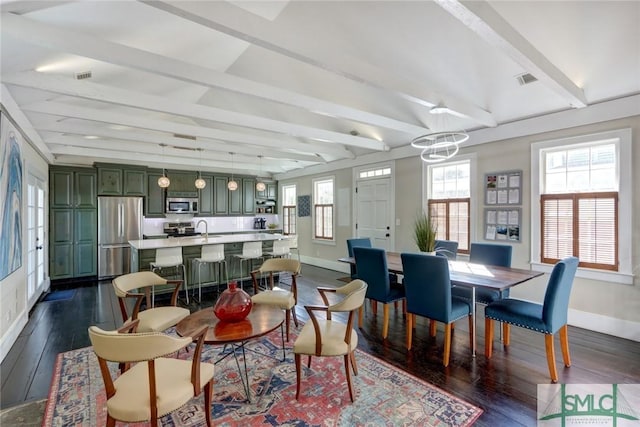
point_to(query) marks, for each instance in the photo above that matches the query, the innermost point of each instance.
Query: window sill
(325, 242)
(588, 273)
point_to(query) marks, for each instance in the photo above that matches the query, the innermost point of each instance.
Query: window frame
(623, 141)
(316, 205)
(427, 190)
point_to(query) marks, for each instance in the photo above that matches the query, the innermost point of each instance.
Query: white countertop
(199, 240)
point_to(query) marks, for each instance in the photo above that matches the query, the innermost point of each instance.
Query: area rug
(385, 395)
(60, 295)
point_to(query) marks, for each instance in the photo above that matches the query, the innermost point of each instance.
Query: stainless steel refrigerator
(119, 220)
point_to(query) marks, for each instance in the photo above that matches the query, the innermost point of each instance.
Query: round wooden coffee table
(262, 320)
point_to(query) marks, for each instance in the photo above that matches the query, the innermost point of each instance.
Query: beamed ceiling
(304, 83)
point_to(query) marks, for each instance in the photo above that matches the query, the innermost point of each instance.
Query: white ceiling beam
(52, 37)
(207, 145)
(482, 19)
(327, 151)
(28, 6)
(98, 92)
(66, 144)
(236, 22)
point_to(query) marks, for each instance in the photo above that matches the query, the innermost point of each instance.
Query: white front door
(373, 217)
(35, 239)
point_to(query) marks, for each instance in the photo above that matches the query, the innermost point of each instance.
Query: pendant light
(200, 183)
(163, 181)
(232, 185)
(260, 186)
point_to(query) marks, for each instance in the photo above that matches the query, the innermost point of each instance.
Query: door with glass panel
(35, 237)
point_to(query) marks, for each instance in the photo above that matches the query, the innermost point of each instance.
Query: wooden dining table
(470, 275)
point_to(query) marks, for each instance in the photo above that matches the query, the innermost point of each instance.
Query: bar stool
(250, 251)
(211, 254)
(171, 258)
(280, 249)
(293, 244)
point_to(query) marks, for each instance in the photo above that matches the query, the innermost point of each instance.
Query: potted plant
(424, 233)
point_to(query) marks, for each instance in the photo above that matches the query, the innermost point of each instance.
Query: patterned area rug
(385, 395)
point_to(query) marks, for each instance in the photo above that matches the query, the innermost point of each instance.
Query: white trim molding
(605, 324)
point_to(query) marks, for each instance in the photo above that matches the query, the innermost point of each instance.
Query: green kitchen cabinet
(220, 195)
(272, 190)
(73, 222)
(248, 196)
(154, 203)
(207, 199)
(235, 199)
(109, 181)
(182, 181)
(135, 182)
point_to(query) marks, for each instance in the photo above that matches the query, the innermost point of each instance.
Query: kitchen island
(143, 252)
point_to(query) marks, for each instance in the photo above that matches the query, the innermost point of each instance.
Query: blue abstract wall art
(10, 198)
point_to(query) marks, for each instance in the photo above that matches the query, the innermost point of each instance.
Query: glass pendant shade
(232, 185)
(260, 186)
(163, 182)
(233, 305)
(200, 183)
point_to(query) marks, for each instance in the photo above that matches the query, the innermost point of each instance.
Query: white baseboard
(605, 324)
(12, 334)
(325, 263)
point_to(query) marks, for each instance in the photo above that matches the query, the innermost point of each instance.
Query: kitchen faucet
(206, 227)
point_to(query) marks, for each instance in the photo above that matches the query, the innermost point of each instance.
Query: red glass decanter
(233, 304)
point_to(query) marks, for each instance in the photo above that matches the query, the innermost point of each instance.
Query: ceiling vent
(179, 135)
(526, 78)
(83, 75)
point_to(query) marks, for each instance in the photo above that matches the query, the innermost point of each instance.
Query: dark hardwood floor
(504, 387)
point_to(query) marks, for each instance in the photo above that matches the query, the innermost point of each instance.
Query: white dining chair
(171, 258)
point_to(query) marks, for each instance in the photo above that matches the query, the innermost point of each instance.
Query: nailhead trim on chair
(544, 331)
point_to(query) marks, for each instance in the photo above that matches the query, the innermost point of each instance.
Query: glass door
(36, 244)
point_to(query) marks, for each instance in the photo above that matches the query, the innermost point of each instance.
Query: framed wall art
(503, 188)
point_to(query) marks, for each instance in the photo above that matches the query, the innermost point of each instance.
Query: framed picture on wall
(502, 224)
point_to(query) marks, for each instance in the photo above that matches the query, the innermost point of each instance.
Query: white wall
(14, 311)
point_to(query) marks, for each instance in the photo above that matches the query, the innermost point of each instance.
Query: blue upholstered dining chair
(548, 317)
(428, 291)
(447, 248)
(487, 254)
(362, 242)
(371, 264)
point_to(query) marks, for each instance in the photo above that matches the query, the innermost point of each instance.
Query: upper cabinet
(121, 181)
(266, 200)
(248, 196)
(207, 198)
(182, 181)
(154, 202)
(73, 188)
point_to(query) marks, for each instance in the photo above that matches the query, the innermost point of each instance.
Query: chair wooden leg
(414, 320)
(208, 394)
(360, 316)
(404, 306)
(447, 344)
(564, 343)
(287, 315)
(488, 337)
(309, 362)
(395, 305)
(410, 320)
(506, 333)
(348, 373)
(385, 321)
(298, 373)
(432, 328)
(111, 422)
(354, 365)
(551, 357)
(295, 316)
(374, 307)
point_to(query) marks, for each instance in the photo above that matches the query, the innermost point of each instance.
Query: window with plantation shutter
(449, 201)
(581, 205)
(323, 208)
(288, 209)
(584, 225)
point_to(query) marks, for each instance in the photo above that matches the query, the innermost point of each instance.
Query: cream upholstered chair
(154, 319)
(328, 337)
(275, 296)
(155, 385)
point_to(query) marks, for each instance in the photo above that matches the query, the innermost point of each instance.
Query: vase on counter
(233, 304)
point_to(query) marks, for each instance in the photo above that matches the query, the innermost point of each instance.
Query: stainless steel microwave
(181, 205)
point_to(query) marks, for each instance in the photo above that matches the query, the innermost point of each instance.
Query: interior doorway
(374, 212)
